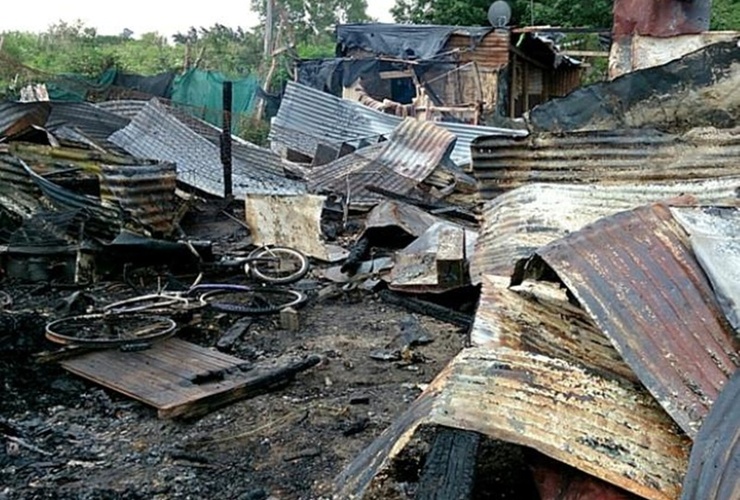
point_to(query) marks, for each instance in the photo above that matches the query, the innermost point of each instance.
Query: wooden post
(226, 138)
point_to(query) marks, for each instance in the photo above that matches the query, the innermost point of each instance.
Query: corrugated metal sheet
(145, 192)
(93, 122)
(245, 151)
(714, 233)
(17, 118)
(613, 431)
(635, 274)
(156, 134)
(18, 192)
(492, 52)
(666, 18)
(414, 150)
(537, 317)
(516, 223)
(391, 213)
(620, 156)
(714, 468)
(308, 117)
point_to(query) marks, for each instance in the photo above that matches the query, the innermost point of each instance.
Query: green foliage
(234, 52)
(595, 13)
(253, 130)
(725, 15)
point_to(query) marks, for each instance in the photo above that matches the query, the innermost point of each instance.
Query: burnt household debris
(454, 273)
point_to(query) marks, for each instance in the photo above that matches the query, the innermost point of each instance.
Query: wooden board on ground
(178, 378)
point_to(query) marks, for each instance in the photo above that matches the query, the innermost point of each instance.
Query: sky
(143, 16)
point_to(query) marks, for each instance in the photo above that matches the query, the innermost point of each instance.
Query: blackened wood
(449, 471)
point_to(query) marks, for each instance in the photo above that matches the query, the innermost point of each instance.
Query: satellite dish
(499, 14)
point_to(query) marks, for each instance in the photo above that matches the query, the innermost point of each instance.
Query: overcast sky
(143, 16)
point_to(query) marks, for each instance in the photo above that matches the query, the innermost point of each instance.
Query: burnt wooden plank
(449, 471)
(178, 378)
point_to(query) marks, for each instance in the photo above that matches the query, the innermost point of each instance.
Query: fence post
(226, 139)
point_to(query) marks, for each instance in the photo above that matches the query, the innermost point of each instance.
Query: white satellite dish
(499, 14)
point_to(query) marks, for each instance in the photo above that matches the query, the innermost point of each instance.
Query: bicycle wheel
(253, 301)
(278, 265)
(153, 302)
(110, 330)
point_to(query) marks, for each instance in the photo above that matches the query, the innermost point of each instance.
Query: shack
(444, 73)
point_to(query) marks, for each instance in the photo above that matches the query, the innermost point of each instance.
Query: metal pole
(226, 138)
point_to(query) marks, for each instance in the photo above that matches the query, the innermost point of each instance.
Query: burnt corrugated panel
(18, 192)
(637, 277)
(414, 150)
(714, 467)
(318, 117)
(604, 157)
(156, 134)
(611, 430)
(517, 223)
(715, 239)
(92, 121)
(16, 118)
(537, 317)
(145, 192)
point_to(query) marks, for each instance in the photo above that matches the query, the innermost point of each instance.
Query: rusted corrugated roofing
(604, 157)
(156, 134)
(18, 192)
(714, 468)
(17, 118)
(537, 317)
(414, 150)
(518, 222)
(714, 233)
(666, 18)
(145, 192)
(614, 431)
(308, 117)
(636, 276)
(492, 52)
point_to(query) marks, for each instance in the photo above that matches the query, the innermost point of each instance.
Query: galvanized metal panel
(537, 317)
(156, 134)
(319, 117)
(715, 239)
(518, 222)
(145, 192)
(619, 156)
(636, 276)
(92, 121)
(127, 108)
(17, 118)
(714, 467)
(666, 18)
(613, 431)
(18, 192)
(414, 150)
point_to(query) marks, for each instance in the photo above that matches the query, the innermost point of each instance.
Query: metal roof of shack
(308, 117)
(637, 277)
(154, 133)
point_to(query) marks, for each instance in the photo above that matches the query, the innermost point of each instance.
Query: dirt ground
(63, 437)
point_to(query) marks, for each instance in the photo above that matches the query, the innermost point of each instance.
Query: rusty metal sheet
(410, 219)
(714, 233)
(156, 134)
(557, 481)
(309, 117)
(665, 18)
(18, 118)
(518, 222)
(604, 157)
(613, 431)
(492, 52)
(411, 154)
(538, 317)
(145, 192)
(93, 122)
(714, 467)
(635, 274)
(292, 221)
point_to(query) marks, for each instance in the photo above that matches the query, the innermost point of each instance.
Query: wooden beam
(585, 53)
(394, 75)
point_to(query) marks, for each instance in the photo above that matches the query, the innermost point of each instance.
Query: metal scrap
(636, 276)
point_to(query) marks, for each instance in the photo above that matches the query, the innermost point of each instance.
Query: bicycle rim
(152, 302)
(279, 265)
(253, 301)
(110, 330)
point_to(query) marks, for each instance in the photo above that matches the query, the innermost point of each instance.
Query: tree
(234, 52)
